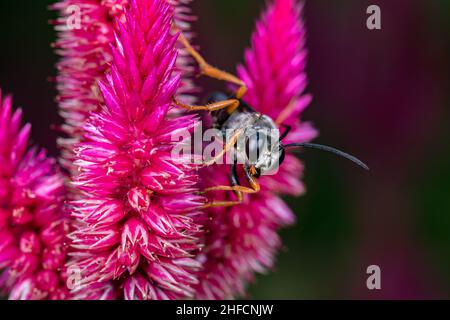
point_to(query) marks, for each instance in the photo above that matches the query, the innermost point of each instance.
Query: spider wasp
(236, 115)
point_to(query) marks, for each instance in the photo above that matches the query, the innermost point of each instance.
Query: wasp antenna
(331, 150)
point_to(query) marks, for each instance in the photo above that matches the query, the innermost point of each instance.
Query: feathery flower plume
(137, 227)
(244, 239)
(32, 225)
(86, 30)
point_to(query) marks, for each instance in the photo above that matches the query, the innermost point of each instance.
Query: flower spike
(32, 221)
(243, 240)
(86, 30)
(137, 227)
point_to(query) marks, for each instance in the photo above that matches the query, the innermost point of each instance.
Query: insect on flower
(261, 155)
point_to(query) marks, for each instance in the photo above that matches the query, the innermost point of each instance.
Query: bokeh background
(383, 95)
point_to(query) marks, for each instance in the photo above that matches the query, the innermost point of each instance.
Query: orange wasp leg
(285, 113)
(239, 190)
(234, 139)
(210, 71)
(230, 104)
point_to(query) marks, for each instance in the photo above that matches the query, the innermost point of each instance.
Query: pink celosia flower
(86, 30)
(32, 226)
(244, 239)
(136, 224)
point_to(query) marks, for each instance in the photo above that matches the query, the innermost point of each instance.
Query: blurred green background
(382, 95)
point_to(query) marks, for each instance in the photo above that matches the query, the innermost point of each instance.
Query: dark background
(382, 95)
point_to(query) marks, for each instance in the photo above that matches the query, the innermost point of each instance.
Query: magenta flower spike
(137, 224)
(32, 224)
(243, 240)
(86, 30)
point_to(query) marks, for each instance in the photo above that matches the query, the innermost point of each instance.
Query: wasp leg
(234, 179)
(215, 106)
(286, 131)
(285, 113)
(221, 204)
(227, 147)
(210, 71)
(250, 175)
(239, 190)
(254, 186)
